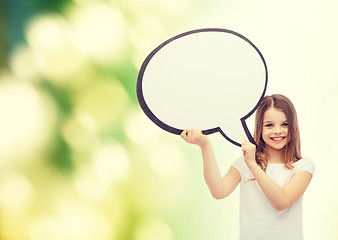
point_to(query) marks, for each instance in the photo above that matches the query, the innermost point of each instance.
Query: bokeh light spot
(99, 29)
(80, 132)
(153, 229)
(45, 228)
(166, 159)
(23, 63)
(89, 186)
(145, 34)
(104, 100)
(54, 49)
(140, 129)
(81, 222)
(24, 112)
(111, 162)
(16, 193)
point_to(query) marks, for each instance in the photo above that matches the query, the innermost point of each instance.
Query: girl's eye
(268, 125)
(285, 124)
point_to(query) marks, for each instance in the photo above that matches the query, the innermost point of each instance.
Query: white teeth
(279, 138)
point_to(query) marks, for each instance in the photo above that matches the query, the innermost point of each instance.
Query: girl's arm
(280, 197)
(219, 187)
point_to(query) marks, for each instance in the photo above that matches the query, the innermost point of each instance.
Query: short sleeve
(239, 164)
(305, 164)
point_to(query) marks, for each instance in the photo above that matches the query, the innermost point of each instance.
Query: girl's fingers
(193, 136)
(189, 135)
(245, 146)
(185, 134)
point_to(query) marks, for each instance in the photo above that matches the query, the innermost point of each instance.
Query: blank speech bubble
(210, 79)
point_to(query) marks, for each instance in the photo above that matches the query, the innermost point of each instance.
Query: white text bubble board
(210, 79)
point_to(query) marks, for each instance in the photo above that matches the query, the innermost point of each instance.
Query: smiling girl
(273, 177)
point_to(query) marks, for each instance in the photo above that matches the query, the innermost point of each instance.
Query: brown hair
(291, 152)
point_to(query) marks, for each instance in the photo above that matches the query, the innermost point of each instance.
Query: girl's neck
(275, 156)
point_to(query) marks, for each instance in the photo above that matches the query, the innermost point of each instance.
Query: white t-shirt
(259, 220)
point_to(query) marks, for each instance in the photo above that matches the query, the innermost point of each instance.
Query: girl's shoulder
(239, 163)
(304, 164)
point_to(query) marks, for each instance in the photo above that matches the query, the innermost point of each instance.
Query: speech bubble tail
(248, 133)
(237, 133)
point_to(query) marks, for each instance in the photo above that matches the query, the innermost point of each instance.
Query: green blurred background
(78, 158)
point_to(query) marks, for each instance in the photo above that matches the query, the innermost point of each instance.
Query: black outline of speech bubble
(176, 131)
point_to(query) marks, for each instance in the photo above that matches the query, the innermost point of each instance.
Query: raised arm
(220, 187)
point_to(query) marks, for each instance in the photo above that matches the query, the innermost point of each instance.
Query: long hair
(291, 152)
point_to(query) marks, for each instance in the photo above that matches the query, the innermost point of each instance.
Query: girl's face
(275, 129)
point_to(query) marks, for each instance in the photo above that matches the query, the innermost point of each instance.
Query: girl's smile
(277, 139)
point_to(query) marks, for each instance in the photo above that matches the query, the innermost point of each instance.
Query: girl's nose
(277, 130)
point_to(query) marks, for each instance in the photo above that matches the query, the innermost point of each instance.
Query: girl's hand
(195, 136)
(249, 152)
